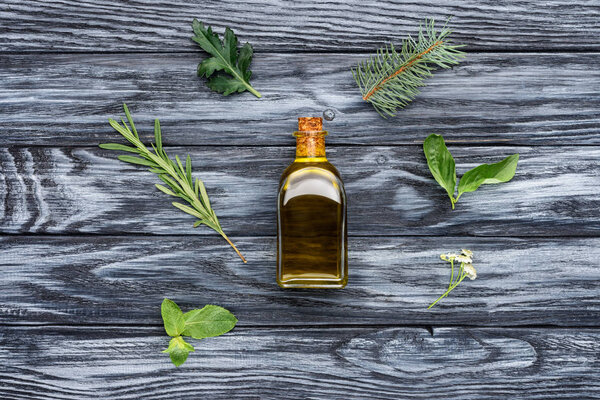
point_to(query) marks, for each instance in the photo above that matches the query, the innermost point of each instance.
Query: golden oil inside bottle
(311, 217)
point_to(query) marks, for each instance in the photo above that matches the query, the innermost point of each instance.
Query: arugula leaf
(172, 318)
(208, 322)
(178, 350)
(441, 163)
(225, 58)
(502, 171)
(199, 323)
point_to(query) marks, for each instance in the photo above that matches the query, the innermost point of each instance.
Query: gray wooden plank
(113, 25)
(116, 280)
(491, 98)
(390, 192)
(313, 363)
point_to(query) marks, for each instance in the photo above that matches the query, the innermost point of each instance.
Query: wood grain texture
(390, 192)
(313, 363)
(113, 25)
(491, 98)
(115, 280)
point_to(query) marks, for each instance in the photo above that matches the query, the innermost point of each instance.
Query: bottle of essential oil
(311, 216)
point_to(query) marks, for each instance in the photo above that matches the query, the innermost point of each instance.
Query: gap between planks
(541, 50)
(242, 237)
(300, 327)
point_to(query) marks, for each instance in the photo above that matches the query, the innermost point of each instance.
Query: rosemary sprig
(177, 177)
(390, 79)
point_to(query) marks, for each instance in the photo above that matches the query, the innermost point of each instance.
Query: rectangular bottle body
(312, 238)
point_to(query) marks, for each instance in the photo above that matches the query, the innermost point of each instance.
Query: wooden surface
(338, 363)
(88, 248)
(492, 98)
(390, 192)
(276, 25)
(113, 280)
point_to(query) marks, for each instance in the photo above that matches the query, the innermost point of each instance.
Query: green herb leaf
(187, 209)
(199, 323)
(157, 136)
(441, 163)
(178, 350)
(502, 171)
(173, 319)
(442, 167)
(208, 322)
(179, 180)
(226, 59)
(117, 146)
(128, 115)
(188, 169)
(136, 160)
(165, 190)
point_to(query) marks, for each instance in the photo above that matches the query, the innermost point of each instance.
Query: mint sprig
(208, 321)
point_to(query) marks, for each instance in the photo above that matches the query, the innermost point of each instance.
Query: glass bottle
(311, 216)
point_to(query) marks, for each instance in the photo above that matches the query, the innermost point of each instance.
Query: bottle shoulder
(321, 179)
(324, 166)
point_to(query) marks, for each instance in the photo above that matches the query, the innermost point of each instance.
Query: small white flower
(467, 253)
(470, 271)
(464, 259)
(448, 256)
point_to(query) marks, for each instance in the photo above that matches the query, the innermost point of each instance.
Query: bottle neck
(310, 146)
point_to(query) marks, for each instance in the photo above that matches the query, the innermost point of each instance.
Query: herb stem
(447, 291)
(252, 90)
(233, 245)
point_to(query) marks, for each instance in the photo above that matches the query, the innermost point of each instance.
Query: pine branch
(390, 80)
(178, 179)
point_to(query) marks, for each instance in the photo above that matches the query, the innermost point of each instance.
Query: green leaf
(178, 350)
(208, 322)
(244, 60)
(188, 169)
(130, 120)
(502, 171)
(164, 190)
(210, 65)
(225, 85)
(136, 160)
(204, 195)
(187, 209)
(157, 136)
(123, 131)
(172, 184)
(441, 164)
(180, 169)
(225, 60)
(117, 146)
(173, 319)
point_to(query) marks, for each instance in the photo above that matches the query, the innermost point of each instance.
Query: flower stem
(447, 291)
